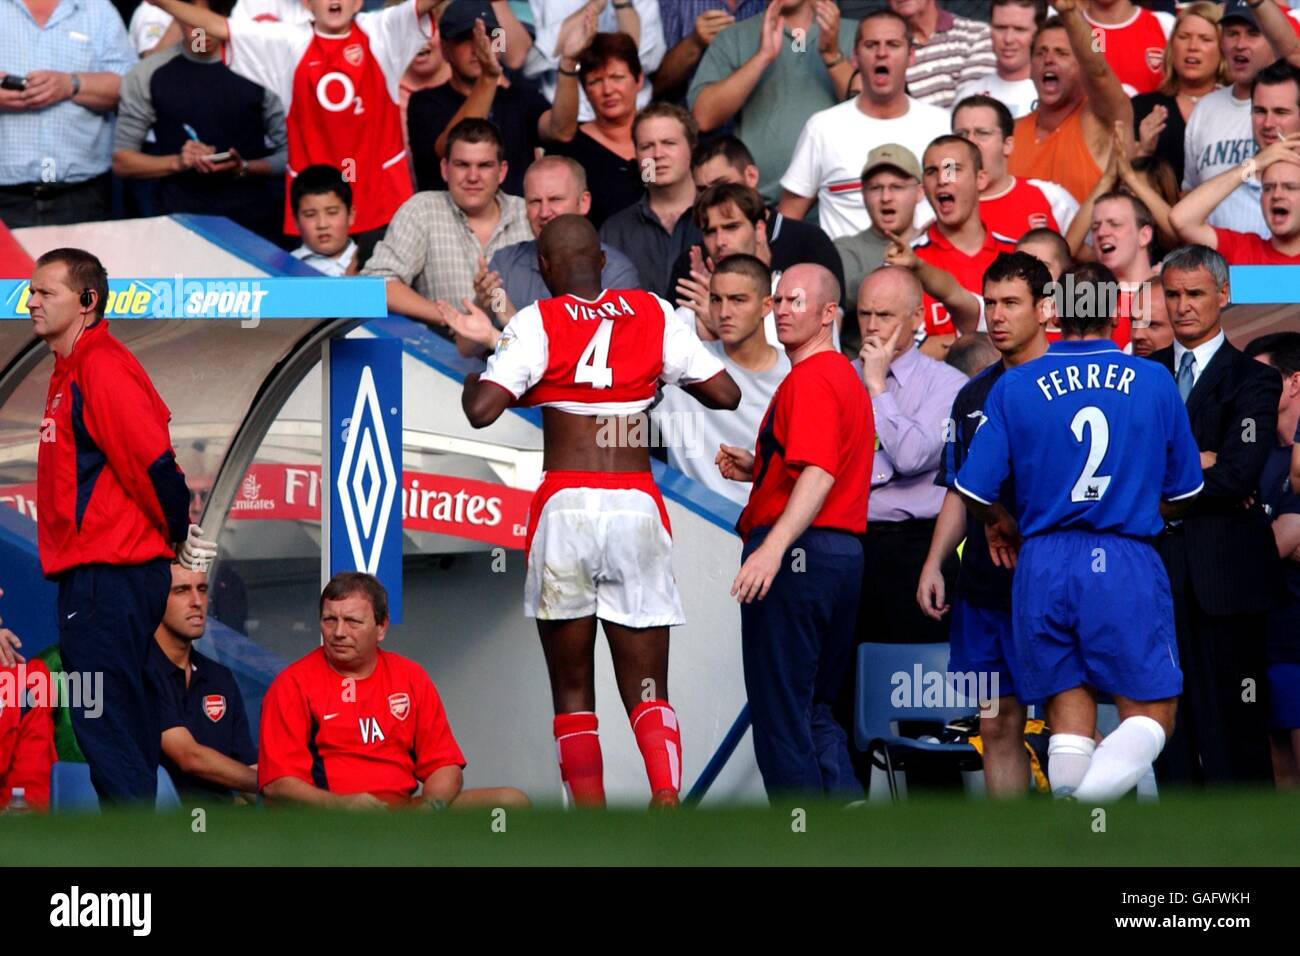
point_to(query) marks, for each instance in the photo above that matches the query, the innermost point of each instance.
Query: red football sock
(654, 722)
(578, 746)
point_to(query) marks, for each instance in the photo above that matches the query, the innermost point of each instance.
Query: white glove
(196, 554)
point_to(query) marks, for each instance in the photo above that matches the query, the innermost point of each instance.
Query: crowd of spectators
(900, 144)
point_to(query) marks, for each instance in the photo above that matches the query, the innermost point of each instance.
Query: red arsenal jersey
(820, 415)
(341, 95)
(597, 357)
(1248, 249)
(967, 270)
(1027, 205)
(382, 735)
(1135, 50)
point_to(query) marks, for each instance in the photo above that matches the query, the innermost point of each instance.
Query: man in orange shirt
(1068, 138)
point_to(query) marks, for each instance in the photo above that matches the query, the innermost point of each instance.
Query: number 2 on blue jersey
(1091, 486)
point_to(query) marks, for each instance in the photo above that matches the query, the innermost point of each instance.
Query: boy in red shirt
(352, 726)
(338, 78)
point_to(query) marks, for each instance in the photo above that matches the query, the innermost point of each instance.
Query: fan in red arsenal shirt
(958, 242)
(1278, 168)
(353, 726)
(1133, 41)
(338, 79)
(1122, 232)
(1009, 205)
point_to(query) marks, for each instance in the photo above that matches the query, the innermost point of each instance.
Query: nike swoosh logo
(329, 716)
(72, 615)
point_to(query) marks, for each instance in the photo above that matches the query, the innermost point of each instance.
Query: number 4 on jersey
(593, 367)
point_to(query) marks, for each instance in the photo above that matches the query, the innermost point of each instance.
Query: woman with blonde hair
(1193, 67)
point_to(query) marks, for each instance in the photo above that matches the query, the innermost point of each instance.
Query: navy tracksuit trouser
(797, 644)
(107, 618)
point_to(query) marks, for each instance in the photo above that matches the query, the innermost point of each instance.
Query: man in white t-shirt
(1219, 132)
(1008, 204)
(739, 298)
(1014, 23)
(827, 162)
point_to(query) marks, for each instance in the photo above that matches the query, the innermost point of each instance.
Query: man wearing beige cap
(891, 193)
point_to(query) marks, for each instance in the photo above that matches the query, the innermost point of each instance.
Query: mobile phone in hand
(12, 81)
(218, 157)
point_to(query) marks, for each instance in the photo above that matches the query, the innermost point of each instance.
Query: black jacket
(1228, 549)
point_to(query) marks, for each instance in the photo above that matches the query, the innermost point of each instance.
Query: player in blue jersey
(1100, 451)
(1017, 308)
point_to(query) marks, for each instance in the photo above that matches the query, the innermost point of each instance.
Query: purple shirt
(911, 418)
(679, 15)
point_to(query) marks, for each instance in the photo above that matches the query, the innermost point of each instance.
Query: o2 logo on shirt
(325, 89)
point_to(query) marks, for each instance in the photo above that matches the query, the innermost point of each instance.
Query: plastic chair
(72, 792)
(875, 714)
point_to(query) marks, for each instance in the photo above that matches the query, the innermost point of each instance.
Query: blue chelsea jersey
(1092, 438)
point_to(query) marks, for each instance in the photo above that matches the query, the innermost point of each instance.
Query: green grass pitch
(1234, 828)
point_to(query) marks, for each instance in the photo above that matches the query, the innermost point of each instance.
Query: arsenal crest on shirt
(1038, 220)
(1155, 58)
(354, 53)
(399, 705)
(214, 706)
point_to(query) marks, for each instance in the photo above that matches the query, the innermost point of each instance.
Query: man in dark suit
(1222, 561)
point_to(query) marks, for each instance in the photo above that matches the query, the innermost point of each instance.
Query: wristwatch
(839, 58)
(622, 6)
(76, 85)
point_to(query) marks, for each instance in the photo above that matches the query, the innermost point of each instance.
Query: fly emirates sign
(441, 504)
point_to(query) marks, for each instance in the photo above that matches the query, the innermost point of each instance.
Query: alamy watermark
(677, 430)
(39, 688)
(947, 689)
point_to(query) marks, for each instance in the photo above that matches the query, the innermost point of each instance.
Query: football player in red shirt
(599, 545)
(1278, 167)
(353, 726)
(811, 470)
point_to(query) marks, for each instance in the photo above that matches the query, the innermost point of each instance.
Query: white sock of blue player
(1121, 760)
(1068, 757)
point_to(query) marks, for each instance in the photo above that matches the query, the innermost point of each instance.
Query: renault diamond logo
(367, 481)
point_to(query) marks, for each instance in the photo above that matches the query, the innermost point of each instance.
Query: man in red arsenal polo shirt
(957, 243)
(1278, 167)
(802, 561)
(352, 726)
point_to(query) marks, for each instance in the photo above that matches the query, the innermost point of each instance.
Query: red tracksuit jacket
(26, 736)
(108, 489)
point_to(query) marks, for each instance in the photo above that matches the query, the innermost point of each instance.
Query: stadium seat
(875, 714)
(72, 792)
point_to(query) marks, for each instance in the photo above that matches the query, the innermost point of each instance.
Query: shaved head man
(593, 358)
(911, 396)
(811, 470)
